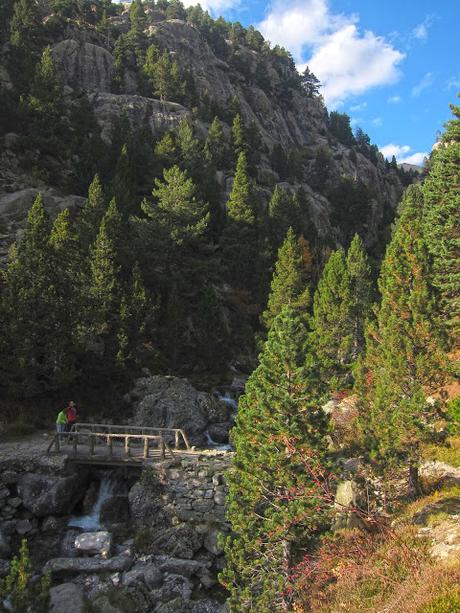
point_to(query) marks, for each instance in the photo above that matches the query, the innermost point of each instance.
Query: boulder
(66, 597)
(171, 402)
(178, 566)
(23, 526)
(48, 495)
(178, 541)
(348, 497)
(88, 565)
(174, 586)
(211, 541)
(83, 66)
(93, 543)
(440, 471)
(145, 509)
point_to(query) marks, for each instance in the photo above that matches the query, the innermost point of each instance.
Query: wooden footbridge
(107, 444)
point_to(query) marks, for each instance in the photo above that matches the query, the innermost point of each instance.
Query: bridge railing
(177, 434)
(91, 439)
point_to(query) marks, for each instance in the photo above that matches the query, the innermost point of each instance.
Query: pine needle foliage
(274, 504)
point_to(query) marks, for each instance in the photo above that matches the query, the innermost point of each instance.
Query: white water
(231, 402)
(92, 521)
(213, 445)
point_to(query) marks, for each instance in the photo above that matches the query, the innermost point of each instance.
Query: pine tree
(137, 317)
(46, 96)
(215, 149)
(341, 305)
(105, 291)
(33, 328)
(274, 505)
(239, 238)
(67, 262)
(291, 282)
(25, 23)
(239, 136)
(403, 359)
(122, 186)
(441, 223)
(91, 216)
(189, 146)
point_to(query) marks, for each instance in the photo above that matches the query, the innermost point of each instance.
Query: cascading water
(92, 521)
(233, 404)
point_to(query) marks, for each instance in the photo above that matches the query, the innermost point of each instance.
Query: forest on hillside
(169, 268)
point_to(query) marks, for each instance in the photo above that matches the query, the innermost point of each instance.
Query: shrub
(19, 590)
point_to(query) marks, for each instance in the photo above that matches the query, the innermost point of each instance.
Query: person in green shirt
(61, 422)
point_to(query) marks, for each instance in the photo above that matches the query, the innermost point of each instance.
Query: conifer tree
(239, 136)
(46, 97)
(274, 505)
(33, 328)
(91, 216)
(291, 282)
(215, 145)
(137, 315)
(123, 182)
(441, 223)
(25, 23)
(105, 290)
(67, 262)
(403, 359)
(283, 213)
(341, 305)
(189, 146)
(239, 238)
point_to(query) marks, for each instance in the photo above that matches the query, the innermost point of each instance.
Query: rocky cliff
(259, 82)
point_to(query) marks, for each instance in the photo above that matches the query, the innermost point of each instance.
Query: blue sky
(390, 64)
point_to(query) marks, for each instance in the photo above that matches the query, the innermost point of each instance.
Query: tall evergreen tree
(442, 221)
(291, 282)
(403, 359)
(215, 145)
(105, 291)
(34, 329)
(239, 238)
(239, 137)
(91, 216)
(341, 305)
(274, 505)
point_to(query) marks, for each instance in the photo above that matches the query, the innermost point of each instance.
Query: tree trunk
(413, 483)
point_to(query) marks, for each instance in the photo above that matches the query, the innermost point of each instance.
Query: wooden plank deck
(110, 445)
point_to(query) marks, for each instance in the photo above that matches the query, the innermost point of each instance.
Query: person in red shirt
(71, 414)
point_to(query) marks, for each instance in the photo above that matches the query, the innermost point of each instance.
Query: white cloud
(402, 154)
(453, 83)
(358, 107)
(377, 122)
(215, 7)
(415, 158)
(426, 82)
(347, 61)
(420, 32)
(394, 99)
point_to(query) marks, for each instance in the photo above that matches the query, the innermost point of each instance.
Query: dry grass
(356, 572)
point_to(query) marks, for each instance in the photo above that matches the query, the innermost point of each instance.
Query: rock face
(141, 112)
(83, 66)
(45, 494)
(170, 402)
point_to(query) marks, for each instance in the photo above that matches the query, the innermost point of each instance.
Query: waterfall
(92, 520)
(231, 402)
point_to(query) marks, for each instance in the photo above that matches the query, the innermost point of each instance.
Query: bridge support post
(146, 448)
(127, 450)
(109, 446)
(176, 445)
(91, 444)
